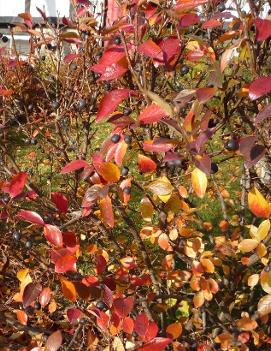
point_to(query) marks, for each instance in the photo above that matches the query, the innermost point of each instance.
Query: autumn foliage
(135, 180)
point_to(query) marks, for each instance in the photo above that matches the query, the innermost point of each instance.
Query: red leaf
(60, 201)
(128, 325)
(157, 344)
(69, 239)
(54, 341)
(158, 145)
(30, 216)
(146, 164)
(101, 264)
(120, 152)
(103, 321)
(65, 264)
(17, 184)
(263, 27)
(53, 234)
(45, 296)
(6, 92)
(212, 23)
(263, 114)
(107, 296)
(74, 166)
(171, 48)
(152, 113)
(204, 94)
(110, 101)
(141, 324)
(90, 280)
(107, 213)
(41, 12)
(151, 331)
(189, 19)
(260, 87)
(31, 293)
(123, 307)
(150, 49)
(189, 4)
(74, 315)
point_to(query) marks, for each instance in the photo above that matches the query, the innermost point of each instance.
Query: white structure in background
(54, 9)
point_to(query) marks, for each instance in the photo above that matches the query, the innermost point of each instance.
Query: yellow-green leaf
(199, 182)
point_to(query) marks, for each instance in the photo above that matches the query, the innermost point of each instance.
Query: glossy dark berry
(73, 66)
(128, 139)
(33, 141)
(124, 171)
(4, 39)
(81, 104)
(178, 163)
(214, 168)
(127, 111)
(5, 198)
(101, 305)
(49, 46)
(107, 86)
(127, 190)
(37, 305)
(210, 85)
(28, 244)
(212, 123)
(16, 235)
(170, 163)
(115, 138)
(221, 7)
(117, 40)
(184, 69)
(55, 104)
(231, 145)
(30, 107)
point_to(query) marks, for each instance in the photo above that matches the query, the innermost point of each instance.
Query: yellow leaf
(199, 182)
(253, 280)
(146, 209)
(258, 204)
(246, 324)
(265, 280)
(198, 299)
(248, 245)
(264, 305)
(109, 171)
(161, 186)
(263, 230)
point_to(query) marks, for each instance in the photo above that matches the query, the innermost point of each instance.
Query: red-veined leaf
(54, 341)
(74, 165)
(110, 101)
(152, 113)
(30, 216)
(17, 184)
(146, 164)
(45, 296)
(107, 213)
(65, 264)
(260, 87)
(123, 307)
(157, 344)
(31, 293)
(60, 201)
(53, 234)
(263, 27)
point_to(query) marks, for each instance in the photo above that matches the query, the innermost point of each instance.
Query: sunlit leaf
(258, 204)
(265, 280)
(248, 245)
(174, 330)
(68, 289)
(199, 182)
(107, 213)
(54, 341)
(146, 164)
(264, 305)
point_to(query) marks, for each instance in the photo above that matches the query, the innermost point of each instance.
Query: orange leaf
(107, 211)
(174, 330)
(68, 289)
(258, 204)
(265, 280)
(22, 317)
(109, 171)
(163, 241)
(198, 299)
(146, 164)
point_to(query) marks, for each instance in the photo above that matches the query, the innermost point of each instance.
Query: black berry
(16, 235)
(178, 163)
(55, 104)
(4, 39)
(101, 305)
(212, 123)
(107, 86)
(37, 305)
(117, 40)
(28, 244)
(184, 69)
(124, 171)
(221, 7)
(115, 138)
(30, 107)
(128, 139)
(81, 104)
(127, 111)
(127, 190)
(210, 85)
(214, 168)
(170, 163)
(231, 145)
(73, 66)
(33, 141)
